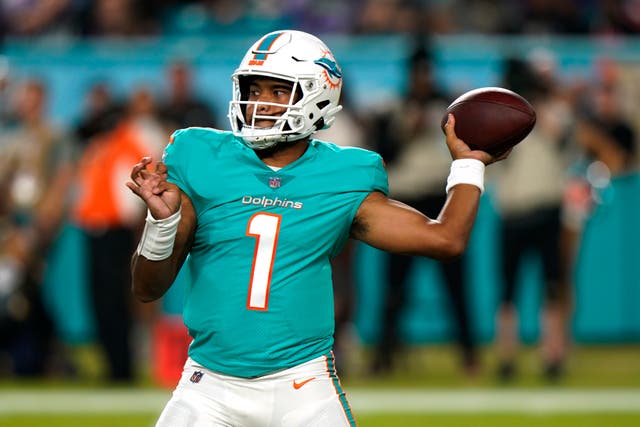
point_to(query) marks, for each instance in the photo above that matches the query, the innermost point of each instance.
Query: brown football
(491, 119)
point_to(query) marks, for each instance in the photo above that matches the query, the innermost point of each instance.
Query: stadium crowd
(127, 18)
(586, 133)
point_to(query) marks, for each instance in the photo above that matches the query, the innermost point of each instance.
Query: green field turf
(593, 366)
(387, 420)
(602, 388)
(430, 366)
(499, 420)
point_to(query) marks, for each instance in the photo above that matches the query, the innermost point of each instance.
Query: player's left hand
(460, 150)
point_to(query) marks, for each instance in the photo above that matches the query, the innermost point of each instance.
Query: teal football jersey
(259, 296)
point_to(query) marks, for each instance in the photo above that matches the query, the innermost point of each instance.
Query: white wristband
(466, 171)
(158, 237)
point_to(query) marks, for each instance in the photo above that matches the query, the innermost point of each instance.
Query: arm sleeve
(380, 178)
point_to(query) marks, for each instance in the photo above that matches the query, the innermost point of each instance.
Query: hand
(161, 197)
(460, 150)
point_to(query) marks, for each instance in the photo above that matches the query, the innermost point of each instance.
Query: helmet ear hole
(322, 104)
(244, 83)
(298, 94)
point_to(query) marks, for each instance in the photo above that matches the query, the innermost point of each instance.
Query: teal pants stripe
(331, 368)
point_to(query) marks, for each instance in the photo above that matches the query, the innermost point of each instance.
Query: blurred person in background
(119, 18)
(36, 171)
(181, 107)
(5, 103)
(29, 18)
(614, 17)
(389, 17)
(408, 137)
(546, 17)
(529, 197)
(603, 186)
(100, 112)
(111, 218)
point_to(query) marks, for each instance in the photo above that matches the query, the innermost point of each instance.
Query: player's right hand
(460, 150)
(161, 197)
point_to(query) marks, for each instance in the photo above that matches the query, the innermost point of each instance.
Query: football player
(253, 217)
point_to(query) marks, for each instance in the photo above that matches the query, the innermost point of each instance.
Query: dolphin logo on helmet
(331, 67)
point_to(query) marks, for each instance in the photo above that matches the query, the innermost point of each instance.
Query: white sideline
(533, 401)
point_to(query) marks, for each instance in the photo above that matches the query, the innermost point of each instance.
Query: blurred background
(547, 296)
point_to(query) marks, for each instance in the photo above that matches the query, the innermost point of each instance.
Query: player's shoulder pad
(201, 134)
(194, 141)
(365, 168)
(355, 155)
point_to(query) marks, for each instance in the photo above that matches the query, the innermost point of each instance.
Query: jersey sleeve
(363, 173)
(380, 180)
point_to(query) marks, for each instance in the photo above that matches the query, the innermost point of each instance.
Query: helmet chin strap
(283, 142)
(275, 135)
(277, 146)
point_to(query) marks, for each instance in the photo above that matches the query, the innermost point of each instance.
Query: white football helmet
(296, 57)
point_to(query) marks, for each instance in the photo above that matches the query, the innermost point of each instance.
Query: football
(491, 119)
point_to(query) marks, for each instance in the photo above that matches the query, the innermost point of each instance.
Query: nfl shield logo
(274, 182)
(196, 377)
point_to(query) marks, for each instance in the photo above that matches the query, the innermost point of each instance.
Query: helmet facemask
(286, 127)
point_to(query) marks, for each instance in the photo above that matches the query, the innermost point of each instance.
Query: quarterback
(255, 215)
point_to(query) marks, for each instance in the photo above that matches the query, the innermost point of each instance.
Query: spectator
(99, 113)
(529, 194)
(417, 164)
(389, 16)
(182, 108)
(602, 185)
(4, 93)
(38, 17)
(545, 17)
(110, 218)
(119, 18)
(36, 170)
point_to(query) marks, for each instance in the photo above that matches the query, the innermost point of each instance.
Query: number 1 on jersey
(265, 227)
